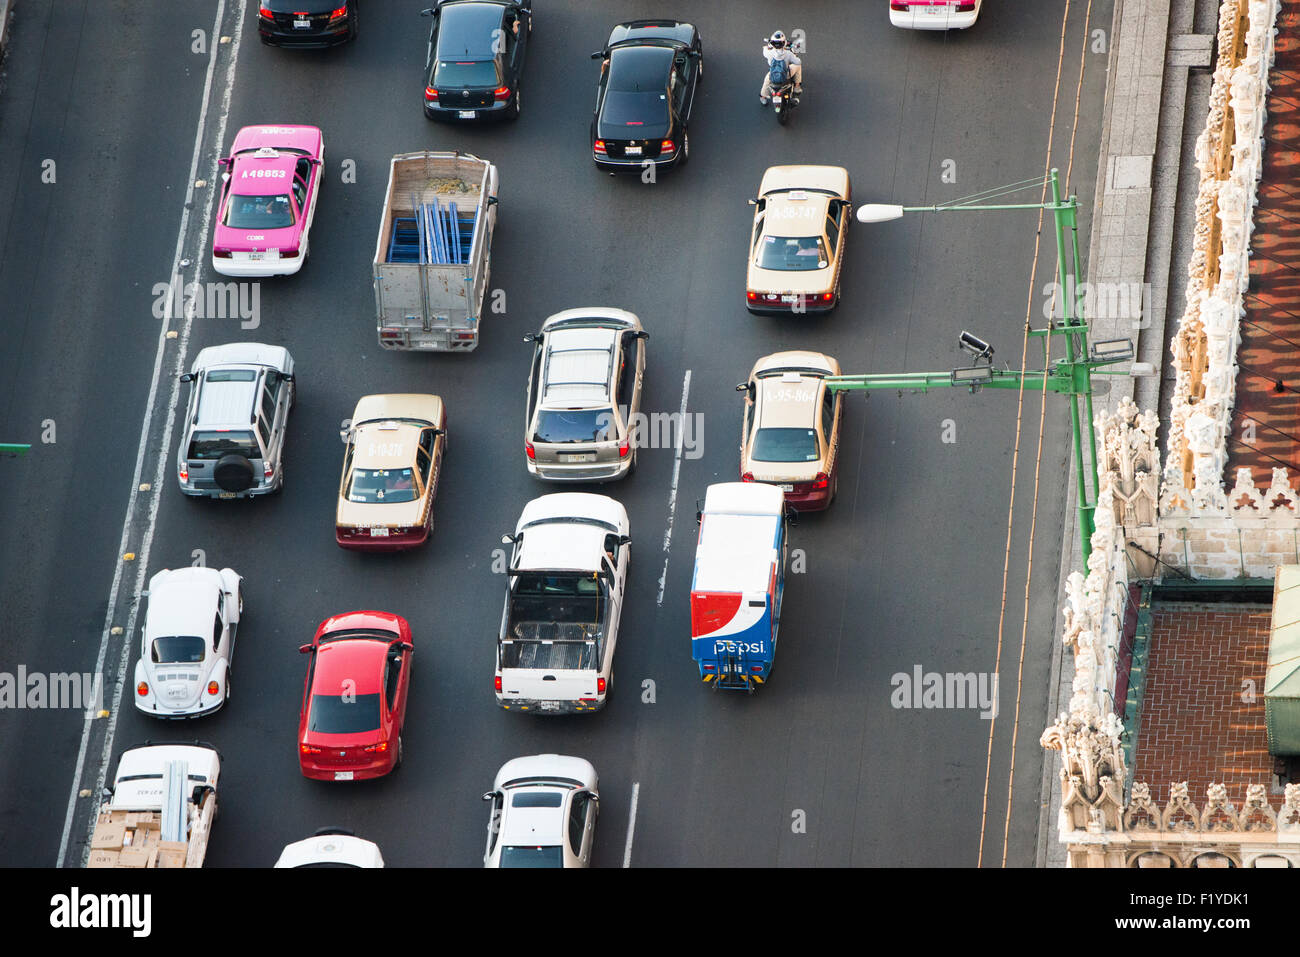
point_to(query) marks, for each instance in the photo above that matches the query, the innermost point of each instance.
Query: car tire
(397, 762)
(699, 71)
(686, 148)
(228, 683)
(513, 113)
(234, 473)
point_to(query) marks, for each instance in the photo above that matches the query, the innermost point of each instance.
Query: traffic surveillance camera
(976, 346)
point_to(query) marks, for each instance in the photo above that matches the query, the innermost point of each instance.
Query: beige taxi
(395, 445)
(796, 248)
(790, 434)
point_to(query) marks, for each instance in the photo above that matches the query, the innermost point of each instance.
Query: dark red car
(354, 698)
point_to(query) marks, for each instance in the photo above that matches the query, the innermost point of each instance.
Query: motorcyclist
(778, 49)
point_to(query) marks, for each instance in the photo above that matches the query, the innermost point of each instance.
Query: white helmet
(777, 39)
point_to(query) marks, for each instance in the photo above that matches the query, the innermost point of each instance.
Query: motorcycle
(784, 99)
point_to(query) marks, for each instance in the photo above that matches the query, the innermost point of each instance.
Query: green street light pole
(13, 448)
(1070, 376)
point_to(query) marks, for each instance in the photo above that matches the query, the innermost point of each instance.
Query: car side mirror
(428, 12)
(597, 55)
(642, 334)
(742, 387)
(625, 539)
(224, 161)
(437, 432)
(404, 646)
(531, 337)
(510, 539)
(186, 377)
(489, 795)
(286, 376)
(492, 201)
(753, 202)
(305, 649)
(792, 514)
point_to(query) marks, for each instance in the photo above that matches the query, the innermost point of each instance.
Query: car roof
(643, 67)
(243, 354)
(226, 404)
(466, 27)
(594, 315)
(538, 826)
(182, 602)
(244, 172)
(295, 135)
(789, 401)
(385, 445)
(356, 662)
(559, 543)
(743, 498)
(833, 178)
(398, 405)
(795, 359)
(533, 766)
(797, 222)
(651, 30)
(578, 366)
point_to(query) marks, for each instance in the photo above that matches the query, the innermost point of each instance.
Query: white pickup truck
(433, 257)
(567, 574)
(160, 809)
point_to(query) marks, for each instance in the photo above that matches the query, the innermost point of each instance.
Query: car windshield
(343, 714)
(259, 212)
(467, 73)
(635, 109)
(791, 253)
(785, 445)
(178, 650)
(551, 855)
(381, 485)
(575, 425)
(213, 445)
(230, 375)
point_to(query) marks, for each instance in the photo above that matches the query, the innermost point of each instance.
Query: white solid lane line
(160, 473)
(631, 821)
(672, 494)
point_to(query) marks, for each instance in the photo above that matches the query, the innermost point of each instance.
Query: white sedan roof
(182, 602)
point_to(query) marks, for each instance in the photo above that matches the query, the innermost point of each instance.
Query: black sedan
(649, 72)
(306, 23)
(476, 58)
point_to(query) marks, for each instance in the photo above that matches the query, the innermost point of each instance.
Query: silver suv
(584, 394)
(232, 445)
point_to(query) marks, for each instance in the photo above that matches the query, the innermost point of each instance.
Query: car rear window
(785, 445)
(467, 73)
(213, 445)
(538, 799)
(795, 253)
(230, 375)
(340, 714)
(634, 109)
(178, 650)
(259, 212)
(382, 486)
(575, 425)
(516, 856)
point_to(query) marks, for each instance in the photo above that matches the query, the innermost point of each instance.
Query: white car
(331, 847)
(934, 14)
(544, 811)
(187, 641)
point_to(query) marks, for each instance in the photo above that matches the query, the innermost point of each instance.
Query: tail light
(966, 7)
(710, 668)
(600, 686)
(827, 296)
(498, 684)
(532, 454)
(390, 333)
(308, 749)
(598, 148)
(755, 667)
(338, 14)
(268, 471)
(747, 477)
(265, 13)
(142, 689)
(220, 253)
(288, 252)
(751, 296)
(666, 147)
(820, 482)
(430, 94)
(214, 688)
(501, 93)
(624, 448)
(463, 335)
(379, 748)
(901, 5)
(184, 471)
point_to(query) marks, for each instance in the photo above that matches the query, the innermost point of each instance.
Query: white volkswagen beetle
(332, 847)
(544, 811)
(187, 642)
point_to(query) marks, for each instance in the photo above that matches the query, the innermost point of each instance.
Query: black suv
(475, 60)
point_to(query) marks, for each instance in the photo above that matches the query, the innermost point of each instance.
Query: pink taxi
(268, 198)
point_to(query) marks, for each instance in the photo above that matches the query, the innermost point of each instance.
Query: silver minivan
(584, 395)
(232, 443)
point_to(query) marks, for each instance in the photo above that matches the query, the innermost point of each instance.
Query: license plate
(937, 10)
(579, 457)
(255, 257)
(343, 775)
(302, 24)
(379, 532)
(791, 298)
(786, 487)
(225, 495)
(632, 151)
(549, 705)
(467, 114)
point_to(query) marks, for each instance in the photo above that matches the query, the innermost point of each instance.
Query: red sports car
(354, 698)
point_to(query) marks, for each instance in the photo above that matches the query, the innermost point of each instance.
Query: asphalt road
(905, 569)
